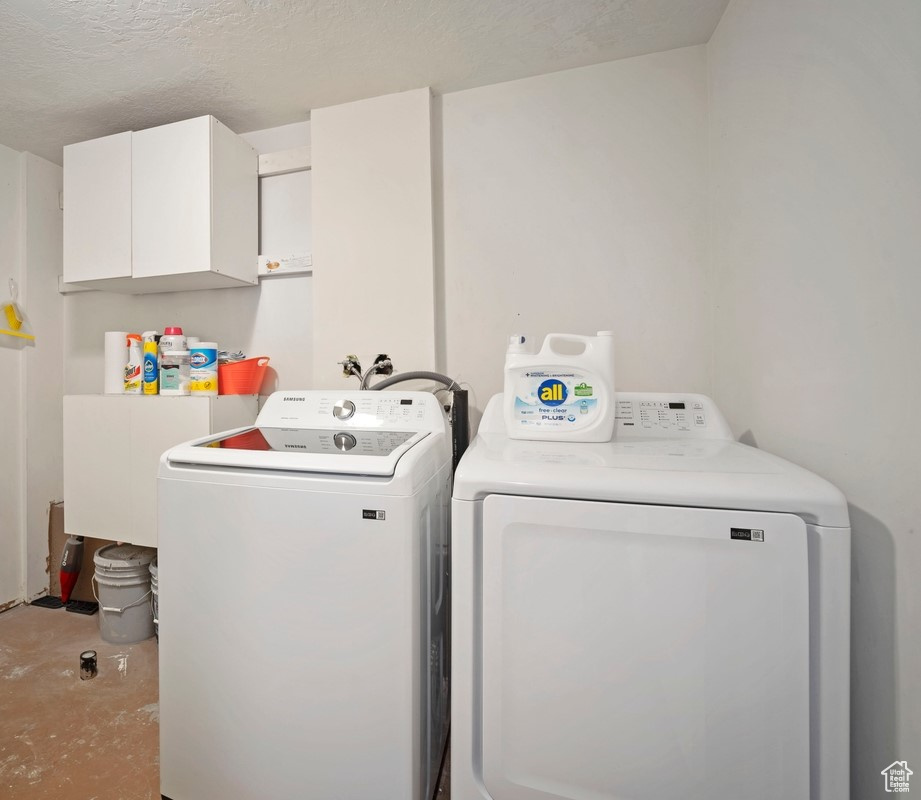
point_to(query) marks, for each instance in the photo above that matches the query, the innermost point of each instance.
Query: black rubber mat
(48, 601)
(87, 607)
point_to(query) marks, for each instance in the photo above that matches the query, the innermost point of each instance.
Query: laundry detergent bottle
(565, 392)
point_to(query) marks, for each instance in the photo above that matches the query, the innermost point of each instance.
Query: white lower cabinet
(112, 445)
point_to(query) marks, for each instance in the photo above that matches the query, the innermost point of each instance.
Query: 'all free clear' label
(555, 400)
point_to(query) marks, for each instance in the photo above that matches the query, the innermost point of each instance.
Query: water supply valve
(383, 365)
(351, 366)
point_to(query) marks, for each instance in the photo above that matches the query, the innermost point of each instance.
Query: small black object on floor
(87, 607)
(48, 601)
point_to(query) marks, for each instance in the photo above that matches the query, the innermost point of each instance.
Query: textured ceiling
(76, 69)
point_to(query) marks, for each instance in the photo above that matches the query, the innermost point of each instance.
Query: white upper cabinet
(97, 221)
(166, 209)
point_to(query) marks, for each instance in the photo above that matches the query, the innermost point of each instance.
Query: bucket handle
(117, 610)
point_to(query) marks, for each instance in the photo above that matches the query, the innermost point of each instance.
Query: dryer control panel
(668, 416)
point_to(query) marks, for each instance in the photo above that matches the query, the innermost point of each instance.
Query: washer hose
(460, 420)
(416, 376)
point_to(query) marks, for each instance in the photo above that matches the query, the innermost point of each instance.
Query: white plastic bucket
(155, 596)
(123, 578)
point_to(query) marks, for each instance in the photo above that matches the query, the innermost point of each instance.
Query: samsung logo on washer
(294, 399)
(747, 534)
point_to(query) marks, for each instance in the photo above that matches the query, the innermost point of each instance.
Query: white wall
(43, 230)
(272, 319)
(576, 202)
(816, 237)
(11, 383)
(372, 213)
(31, 227)
(284, 200)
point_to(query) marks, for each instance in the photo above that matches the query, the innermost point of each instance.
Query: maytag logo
(747, 534)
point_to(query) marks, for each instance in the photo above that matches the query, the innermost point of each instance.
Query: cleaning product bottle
(151, 362)
(134, 367)
(203, 368)
(172, 339)
(174, 373)
(565, 392)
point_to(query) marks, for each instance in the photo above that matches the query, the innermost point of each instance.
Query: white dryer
(303, 602)
(660, 617)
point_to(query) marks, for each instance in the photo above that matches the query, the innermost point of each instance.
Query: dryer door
(637, 652)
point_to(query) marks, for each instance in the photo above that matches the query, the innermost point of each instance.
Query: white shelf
(284, 161)
(286, 265)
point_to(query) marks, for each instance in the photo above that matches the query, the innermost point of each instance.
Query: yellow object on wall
(14, 317)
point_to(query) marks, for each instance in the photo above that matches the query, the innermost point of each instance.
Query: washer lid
(350, 451)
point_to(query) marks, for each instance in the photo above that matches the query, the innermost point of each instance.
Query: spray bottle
(135, 366)
(151, 362)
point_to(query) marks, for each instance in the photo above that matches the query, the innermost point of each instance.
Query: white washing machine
(660, 617)
(303, 589)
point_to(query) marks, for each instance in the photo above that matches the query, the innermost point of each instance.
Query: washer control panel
(418, 411)
(385, 407)
(671, 416)
(343, 409)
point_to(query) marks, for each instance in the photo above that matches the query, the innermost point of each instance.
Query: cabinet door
(158, 424)
(97, 488)
(171, 198)
(97, 209)
(234, 205)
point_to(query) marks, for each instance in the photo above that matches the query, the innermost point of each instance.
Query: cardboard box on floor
(56, 538)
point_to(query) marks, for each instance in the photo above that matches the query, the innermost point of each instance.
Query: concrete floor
(63, 737)
(88, 740)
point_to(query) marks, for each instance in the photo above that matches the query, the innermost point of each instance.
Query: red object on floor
(71, 561)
